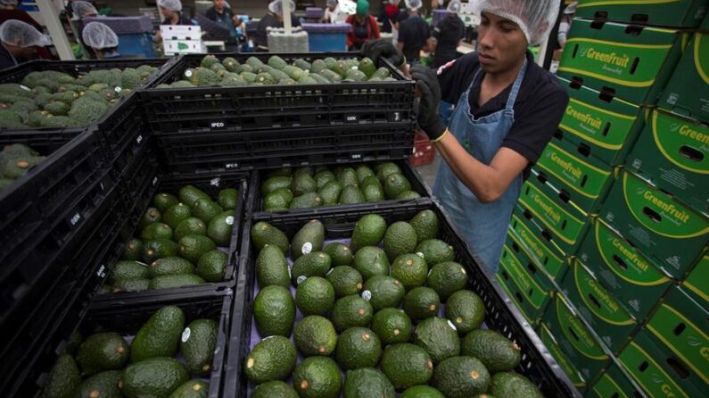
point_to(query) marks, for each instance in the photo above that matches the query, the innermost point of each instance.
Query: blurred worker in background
(333, 12)
(172, 11)
(9, 10)
(273, 19)
(364, 27)
(101, 39)
(414, 33)
(83, 9)
(435, 5)
(448, 34)
(19, 42)
(224, 16)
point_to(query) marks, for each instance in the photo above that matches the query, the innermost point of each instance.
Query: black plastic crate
(501, 314)
(125, 319)
(210, 109)
(417, 185)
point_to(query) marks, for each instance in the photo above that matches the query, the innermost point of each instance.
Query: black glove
(427, 84)
(383, 48)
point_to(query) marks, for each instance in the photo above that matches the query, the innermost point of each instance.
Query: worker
(334, 13)
(414, 33)
(83, 9)
(272, 19)
(364, 27)
(9, 10)
(172, 11)
(19, 42)
(224, 16)
(101, 39)
(507, 109)
(448, 34)
(435, 5)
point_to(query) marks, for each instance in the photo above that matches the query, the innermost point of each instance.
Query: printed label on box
(546, 256)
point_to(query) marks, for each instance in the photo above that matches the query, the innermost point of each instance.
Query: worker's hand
(383, 48)
(430, 96)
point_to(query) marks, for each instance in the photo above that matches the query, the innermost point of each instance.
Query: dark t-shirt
(413, 32)
(6, 59)
(539, 107)
(224, 19)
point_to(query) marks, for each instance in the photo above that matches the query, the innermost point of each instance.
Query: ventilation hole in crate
(594, 300)
(643, 366)
(691, 153)
(678, 368)
(652, 214)
(679, 329)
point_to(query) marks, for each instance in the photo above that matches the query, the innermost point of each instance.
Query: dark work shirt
(413, 33)
(6, 59)
(449, 31)
(539, 107)
(224, 19)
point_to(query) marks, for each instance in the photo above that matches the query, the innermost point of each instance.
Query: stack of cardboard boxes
(607, 249)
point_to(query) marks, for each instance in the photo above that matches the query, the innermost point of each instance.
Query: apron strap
(516, 86)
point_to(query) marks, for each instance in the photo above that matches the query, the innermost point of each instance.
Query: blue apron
(483, 225)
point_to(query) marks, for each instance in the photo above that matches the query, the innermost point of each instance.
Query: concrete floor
(428, 172)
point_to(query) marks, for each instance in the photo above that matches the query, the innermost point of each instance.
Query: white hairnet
(571, 8)
(8, 2)
(534, 17)
(454, 6)
(276, 6)
(21, 34)
(331, 3)
(83, 9)
(99, 35)
(413, 4)
(174, 5)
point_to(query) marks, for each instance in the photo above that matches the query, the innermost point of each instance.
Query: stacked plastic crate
(605, 249)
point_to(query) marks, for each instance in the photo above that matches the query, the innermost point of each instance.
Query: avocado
(386, 169)
(315, 296)
(435, 251)
(315, 335)
(190, 226)
(392, 325)
(400, 238)
(205, 209)
(308, 239)
(192, 247)
(438, 337)
(358, 347)
(410, 269)
(106, 384)
(176, 214)
(373, 193)
(211, 265)
(383, 291)
(133, 285)
(170, 266)
(274, 311)
(220, 228)
(276, 182)
(158, 248)
(156, 231)
(128, 270)
(153, 377)
(303, 183)
(159, 335)
(368, 231)
(421, 303)
(272, 267)
(102, 351)
(351, 311)
(64, 378)
(340, 253)
(351, 195)
(164, 201)
(422, 392)
(370, 261)
(317, 377)
(366, 65)
(447, 278)
(271, 359)
(133, 250)
(263, 233)
(274, 389)
(191, 389)
(461, 377)
(406, 365)
(513, 385)
(323, 177)
(278, 200)
(172, 281)
(228, 198)
(494, 350)
(199, 339)
(306, 201)
(330, 193)
(190, 194)
(368, 383)
(345, 280)
(311, 264)
(467, 312)
(152, 215)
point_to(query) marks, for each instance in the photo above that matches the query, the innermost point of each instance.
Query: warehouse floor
(428, 172)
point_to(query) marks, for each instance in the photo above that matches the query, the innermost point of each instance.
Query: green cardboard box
(584, 180)
(565, 220)
(648, 363)
(657, 224)
(681, 324)
(537, 273)
(632, 62)
(576, 340)
(634, 279)
(552, 344)
(612, 323)
(543, 252)
(686, 92)
(614, 382)
(598, 124)
(671, 13)
(696, 282)
(673, 153)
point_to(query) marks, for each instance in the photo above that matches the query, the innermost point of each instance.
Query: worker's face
(219, 5)
(501, 43)
(168, 13)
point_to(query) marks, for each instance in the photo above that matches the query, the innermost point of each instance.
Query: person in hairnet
(333, 13)
(273, 19)
(9, 10)
(19, 42)
(448, 34)
(83, 9)
(507, 109)
(101, 39)
(414, 33)
(364, 27)
(172, 11)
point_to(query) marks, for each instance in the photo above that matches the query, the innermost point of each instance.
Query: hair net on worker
(174, 5)
(454, 6)
(276, 6)
(99, 35)
(362, 7)
(83, 9)
(8, 2)
(413, 4)
(534, 17)
(21, 34)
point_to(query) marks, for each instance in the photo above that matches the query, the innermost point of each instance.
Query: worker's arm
(400, 45)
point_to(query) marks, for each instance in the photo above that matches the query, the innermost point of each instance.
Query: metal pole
(50, 15)
(285, 8)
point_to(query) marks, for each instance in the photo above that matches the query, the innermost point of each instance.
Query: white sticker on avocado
(307, 248)
(118, 90)
(188, 73)
(329, 272)
(429, 272)
(463, 271)
(25, 88)
(420, 255)
(452, 325)
(300, 279)
(290, 275)
(215, 182)
(367, 295)
(230, 220)
(186, 334)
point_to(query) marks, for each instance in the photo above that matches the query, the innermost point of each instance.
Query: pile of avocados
(15, 161)
(178, 242)
(276, 71)
(308, 187)
(386, 312)
(106, 365)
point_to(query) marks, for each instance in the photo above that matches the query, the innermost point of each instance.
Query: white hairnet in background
(276, 6)
(174, 5)
(99, 35)
(534, 17)
(454, 6)
(331, 3)
(21, 34)
(83, 9)
(413, 4)
(8, 2)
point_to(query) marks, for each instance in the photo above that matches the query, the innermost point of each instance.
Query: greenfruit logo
(566, 165)
(696, 135)
(581, 339)
(585, 118)
(540, 201)
(629, 255)
(665, 130)
(610, 310)
(612, 58)
(670, 208)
